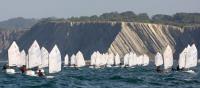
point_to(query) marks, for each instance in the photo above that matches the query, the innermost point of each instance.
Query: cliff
(145, 38)
(18, 23)
(115, 37)
(72, 37)
(6, 38)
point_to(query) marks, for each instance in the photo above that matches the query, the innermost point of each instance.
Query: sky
(68, 8)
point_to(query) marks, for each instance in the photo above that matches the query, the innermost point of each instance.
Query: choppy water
(140, 77)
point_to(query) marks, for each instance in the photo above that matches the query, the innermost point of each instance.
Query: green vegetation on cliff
(178, 19)
(18, 23)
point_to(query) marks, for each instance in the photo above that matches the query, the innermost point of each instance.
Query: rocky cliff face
(115, 37)
(145, 38)
(152, 38)
(72, 37)
(6, 38)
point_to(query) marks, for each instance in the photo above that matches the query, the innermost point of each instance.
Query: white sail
(23, 58)
(168, 57)
(126, 59)
(140, 60)
(13, 55)
(44, 58)
(101, 59)
(55, 60)
(135, 59)
(194, 55)
(188, 57)
(80, 62)
(110, 60)
(66, 61)
(117, 59)
(191, 57)
(182, 59)
(73, 60)
(34, 53)
(104, 58)
(145, 60)
(93, 58)
(98, 59)
(158, 59)
(131, 59)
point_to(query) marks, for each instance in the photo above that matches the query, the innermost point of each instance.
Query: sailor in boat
(159, 69)
(121, 64)
(8, 69)
(73, 65)
(179, 69)
(159, 62)
(40, 73)
(23, 69)
(5, 67)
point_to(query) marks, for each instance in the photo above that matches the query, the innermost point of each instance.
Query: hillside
(18, 23)
(6, 38)
(116, 37)
(13, 29)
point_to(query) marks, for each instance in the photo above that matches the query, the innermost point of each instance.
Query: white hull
(108, 66)
(117, 66)
(30, 73)
(190, 71)
(71, 66)
(91, 66)
(10, 71)
(49, 77)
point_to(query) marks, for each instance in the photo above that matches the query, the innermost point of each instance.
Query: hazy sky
(68, 8)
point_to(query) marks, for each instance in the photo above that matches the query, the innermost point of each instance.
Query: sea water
(115, 77)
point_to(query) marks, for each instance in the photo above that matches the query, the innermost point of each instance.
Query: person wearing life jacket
(40, 73)
(23, 69)
(5, 67)
(180, 69)
(158, 69)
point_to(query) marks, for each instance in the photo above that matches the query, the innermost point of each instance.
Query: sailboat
(98, 60)
(131, 60)
(72, 61)
(104, 59)
(117, 60)
(93, 60)
(44, 58)
(194, 53)
(110, 60)
(66, 60)
(80, 62)
(182, 59)
(135, 59)
(34, 58)
(23, 58)
(168, 58)
(158, 61)
(188, 58)
(145, 60)
(126, 60)
(55, 60)
(14, 57)
(140, 60)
